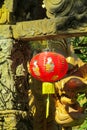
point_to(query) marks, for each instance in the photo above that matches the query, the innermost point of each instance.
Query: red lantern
(48, 66)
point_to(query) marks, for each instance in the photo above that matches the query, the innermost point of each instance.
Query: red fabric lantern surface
(48, 66)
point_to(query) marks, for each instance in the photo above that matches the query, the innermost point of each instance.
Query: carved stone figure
(64, 110)
(59, 8)
(74, 12)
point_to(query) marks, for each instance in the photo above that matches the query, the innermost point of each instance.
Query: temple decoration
(48, 67)
(74, 13)
(69, 113)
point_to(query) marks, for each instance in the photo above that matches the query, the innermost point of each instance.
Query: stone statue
(65, 111)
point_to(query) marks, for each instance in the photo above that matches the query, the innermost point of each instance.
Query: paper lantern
(48, 66)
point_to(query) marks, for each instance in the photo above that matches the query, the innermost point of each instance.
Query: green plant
(80, 47)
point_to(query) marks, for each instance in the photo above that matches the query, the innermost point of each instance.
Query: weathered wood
(46, 29)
